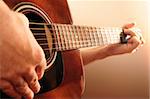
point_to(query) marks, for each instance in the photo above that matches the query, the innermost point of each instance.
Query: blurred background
(118, 77)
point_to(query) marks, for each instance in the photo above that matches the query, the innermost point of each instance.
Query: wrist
(102, 52)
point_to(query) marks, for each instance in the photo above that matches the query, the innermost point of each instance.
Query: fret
(87, 36)
(86, 43)
(96, 36)
(94, 39)
(64, 37)
(67, 36)
(75, 36)
(100, 40)
(107, 35)
(58, 44)
(91, 36)
(103, 32)
(61, 36)
(71, 34)
(79, 36)
(83, 36)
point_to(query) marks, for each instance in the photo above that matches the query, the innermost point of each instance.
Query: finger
(32, 80)
(41, 68)
(127, 26)
(133, 43)
(23, 18)
(141, 38)
(129, 32)
(138, 35)
(41, 63)
(22, 87)
(7, 88)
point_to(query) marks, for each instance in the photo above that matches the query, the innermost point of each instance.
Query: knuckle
(4, 85)
(23, 18)
(25, 91)
(20, 85)
(39, 55)
(7, 88)
(130, 50)
(35, 87)
(28, 71)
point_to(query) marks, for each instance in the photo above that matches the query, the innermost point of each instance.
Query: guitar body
(64, 76)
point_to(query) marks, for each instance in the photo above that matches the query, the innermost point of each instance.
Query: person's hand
(133, 43)
(22, 61)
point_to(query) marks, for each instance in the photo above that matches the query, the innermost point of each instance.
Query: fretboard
(68, 37)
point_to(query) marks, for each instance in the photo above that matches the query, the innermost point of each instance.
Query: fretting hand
(133, 43)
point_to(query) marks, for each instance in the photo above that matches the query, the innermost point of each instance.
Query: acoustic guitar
(51, 25)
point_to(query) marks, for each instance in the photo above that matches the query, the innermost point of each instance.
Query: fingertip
(130, 25)
(30, 96)
(40, 72)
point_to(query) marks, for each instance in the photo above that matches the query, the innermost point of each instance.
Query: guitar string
(59, 35)
(79, 42)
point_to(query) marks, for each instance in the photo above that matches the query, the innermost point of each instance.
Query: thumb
(130, 25)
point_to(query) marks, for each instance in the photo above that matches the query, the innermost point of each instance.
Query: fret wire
(79, 36)
(70, 33)
(84, 37)
(96, 36)
(89, 35)
(93, 32)
(75, 36)
(57, 37)
(92, 37)
(68, 36)
(62, 36)
(99, 36)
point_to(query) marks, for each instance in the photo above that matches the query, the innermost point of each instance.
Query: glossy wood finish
(73, 82)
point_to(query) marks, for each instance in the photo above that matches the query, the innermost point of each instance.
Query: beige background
(118, 77)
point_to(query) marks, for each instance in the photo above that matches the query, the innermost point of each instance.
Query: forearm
(92, 54)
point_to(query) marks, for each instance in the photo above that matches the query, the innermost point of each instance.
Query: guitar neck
(68, 37)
